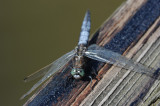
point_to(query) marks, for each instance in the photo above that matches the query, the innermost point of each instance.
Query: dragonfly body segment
(85, 29)
(78, 67)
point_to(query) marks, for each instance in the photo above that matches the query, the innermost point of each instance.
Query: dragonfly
(83, 50)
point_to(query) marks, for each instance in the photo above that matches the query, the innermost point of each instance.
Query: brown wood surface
(121, 87)
(115, 85)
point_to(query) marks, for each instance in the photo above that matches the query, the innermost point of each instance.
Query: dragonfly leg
(94, 72)
(91, 81)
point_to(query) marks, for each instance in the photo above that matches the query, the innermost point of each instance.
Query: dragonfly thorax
(77, 73)
(80, 50)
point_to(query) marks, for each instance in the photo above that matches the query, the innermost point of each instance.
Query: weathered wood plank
(133, 30)
(112, 90)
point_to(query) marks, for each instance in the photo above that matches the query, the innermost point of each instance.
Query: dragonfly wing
(38, 73)
(104, 55)
(55, 66)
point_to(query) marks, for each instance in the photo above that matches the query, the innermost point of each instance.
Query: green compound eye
(81, 72)
(77, 73)
(73, 72)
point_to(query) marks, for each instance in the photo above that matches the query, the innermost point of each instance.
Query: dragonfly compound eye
(77, 73)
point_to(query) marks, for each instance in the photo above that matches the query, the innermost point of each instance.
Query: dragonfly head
(77, 73)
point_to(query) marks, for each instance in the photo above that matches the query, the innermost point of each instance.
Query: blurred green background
(33, 33)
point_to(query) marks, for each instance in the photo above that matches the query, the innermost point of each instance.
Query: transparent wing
(54, 67)
(104, 55)
(38, 73)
